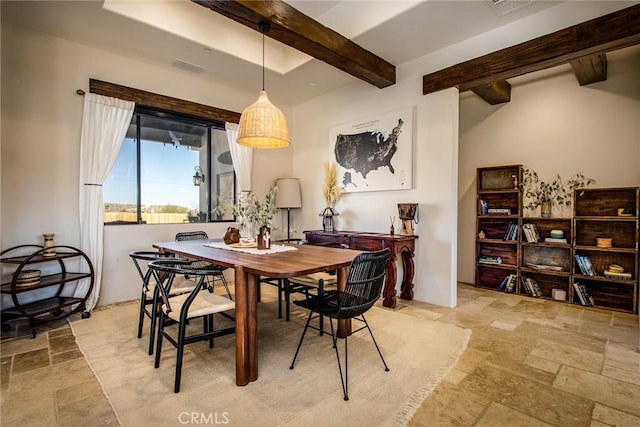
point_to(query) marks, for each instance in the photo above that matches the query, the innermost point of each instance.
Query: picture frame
(374, 153)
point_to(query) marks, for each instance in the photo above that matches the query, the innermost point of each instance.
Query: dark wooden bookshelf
(610, 213)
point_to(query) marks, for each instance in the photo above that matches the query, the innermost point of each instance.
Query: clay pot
(231, 236)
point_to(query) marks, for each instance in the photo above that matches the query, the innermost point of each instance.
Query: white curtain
(104, 125)
(241, 156)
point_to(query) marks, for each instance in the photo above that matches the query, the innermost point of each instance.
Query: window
(152, 181)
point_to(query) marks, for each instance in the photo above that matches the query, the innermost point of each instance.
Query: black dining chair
(149, 297)
(314, 282)
(215, 271)
(183, 309)
(363, 288)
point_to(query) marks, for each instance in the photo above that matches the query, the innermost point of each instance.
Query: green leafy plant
(556, 191)
(250, 211)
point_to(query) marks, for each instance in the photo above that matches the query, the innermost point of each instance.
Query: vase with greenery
(254, 216)
(547, 194)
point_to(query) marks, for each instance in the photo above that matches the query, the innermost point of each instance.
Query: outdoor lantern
(198, 178)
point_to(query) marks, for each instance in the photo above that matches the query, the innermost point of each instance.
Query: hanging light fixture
(263, 125)
(198, 178)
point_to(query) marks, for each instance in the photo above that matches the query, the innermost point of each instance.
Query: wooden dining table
(305, 259)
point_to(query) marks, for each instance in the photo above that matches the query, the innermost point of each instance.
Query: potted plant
(255, 216)
(547, 194)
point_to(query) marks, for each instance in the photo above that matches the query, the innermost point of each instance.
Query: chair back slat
(364, 282)
(193, 235)
(141, 260)
(165, 271)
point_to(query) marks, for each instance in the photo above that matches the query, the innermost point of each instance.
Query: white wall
(41, 122)
(551, 125)
(434, 175)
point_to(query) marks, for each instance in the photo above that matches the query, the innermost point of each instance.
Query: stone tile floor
(529, 362)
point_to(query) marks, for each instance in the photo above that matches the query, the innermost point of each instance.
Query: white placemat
(274, 248)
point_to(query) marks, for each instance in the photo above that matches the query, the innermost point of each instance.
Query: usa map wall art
(374, 154)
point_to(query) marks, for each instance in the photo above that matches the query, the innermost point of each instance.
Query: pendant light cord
(263, 27)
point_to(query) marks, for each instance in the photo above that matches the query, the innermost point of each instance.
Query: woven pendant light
(262, 124)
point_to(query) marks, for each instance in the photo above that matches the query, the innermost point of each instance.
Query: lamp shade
(263, 125)
(288, 194)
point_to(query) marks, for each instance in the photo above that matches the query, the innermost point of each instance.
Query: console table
(397, 244)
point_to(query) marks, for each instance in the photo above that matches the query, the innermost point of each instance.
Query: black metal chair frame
(215, 271)
(363, 288)
(164, 272)
(145, 301)
(286, 287)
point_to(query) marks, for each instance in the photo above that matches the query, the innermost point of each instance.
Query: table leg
(242, 336)
(344, 326)
(406, 289)
(390, 282)
(252, 287)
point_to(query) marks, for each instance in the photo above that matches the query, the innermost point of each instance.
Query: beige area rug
(419, 354)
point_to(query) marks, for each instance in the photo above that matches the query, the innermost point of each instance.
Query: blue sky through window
(166, 171)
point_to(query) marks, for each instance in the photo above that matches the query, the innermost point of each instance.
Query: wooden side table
(398, 245)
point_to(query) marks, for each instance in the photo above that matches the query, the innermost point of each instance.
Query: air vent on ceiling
(184, 65)
(502, 7)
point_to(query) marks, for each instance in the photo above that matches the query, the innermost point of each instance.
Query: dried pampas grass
(330, 188)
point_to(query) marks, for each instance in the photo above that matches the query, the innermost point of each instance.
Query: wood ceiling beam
(295, 29)
(150, 99)
(494, 93)
(606, 33)
(591, 69)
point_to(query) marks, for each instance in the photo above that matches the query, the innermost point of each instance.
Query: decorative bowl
(556, 234)
(27, 278)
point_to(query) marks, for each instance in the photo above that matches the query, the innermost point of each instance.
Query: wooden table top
(306, 259)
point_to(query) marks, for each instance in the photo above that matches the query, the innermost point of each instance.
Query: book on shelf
(536, 288)
(525, 285)
(589, 298)
(584, 263)
(583, 294)
(490, 260)
(531, 286)
(499, 211)
(531, 233)
(509, 283)
(545, 267)
(512, 232)
(554, 240)
(483, 207)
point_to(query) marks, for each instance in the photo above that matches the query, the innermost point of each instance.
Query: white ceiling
(161, 32)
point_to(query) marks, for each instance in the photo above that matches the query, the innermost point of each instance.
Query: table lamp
(288, 197)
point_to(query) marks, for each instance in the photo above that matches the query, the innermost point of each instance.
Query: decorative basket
(27, 278)
(604, 242)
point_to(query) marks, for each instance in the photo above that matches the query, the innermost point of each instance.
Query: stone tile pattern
(46, 381)
(529, 362)
(532, 362)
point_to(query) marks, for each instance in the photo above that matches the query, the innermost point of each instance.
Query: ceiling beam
(295, 29)
(150, 99)
(494, 93)
(606, 33)
(591, 69)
